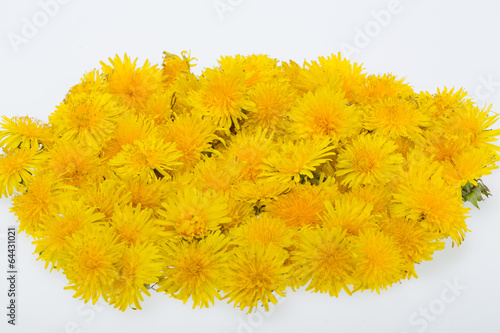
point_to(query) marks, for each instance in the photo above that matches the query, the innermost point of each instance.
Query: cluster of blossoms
(250, 178)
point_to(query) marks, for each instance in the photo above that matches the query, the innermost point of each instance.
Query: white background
(432, 43)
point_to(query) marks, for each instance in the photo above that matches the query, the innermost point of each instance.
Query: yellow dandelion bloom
(324, 113)
(250, 150)
(222, 97)
(192, 136)
(130, 128)
(25, 132)
(380, 263)
(380, 87)
(379, 196)
(133, 85)
(272, 101)
(469, 165)
(296, 159)
(159, 106)
(105, 195)
(91, 262)
(260, 192)
(265, 229)
(148, 193)
(71, 217)
(75, 164)
(443, 147)
(254, 274)
(472, 124)
(173, 65)
(140, 265)
(397, 117)
(446, 101)
(191, 213)
(195, 269)
(324, 259)
(369, 159)
(429, 199)
(146, 157)
(86, 118)
(352, 214)
(42, 195)
(134, 225)
(415, 241)
(91, 81)
(16, 167)
(259, 68)
(216, 174)
(304, 204)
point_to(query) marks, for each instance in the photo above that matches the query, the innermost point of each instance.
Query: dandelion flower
(134, 225)
(41, 197)
(222, 97)
(173, 65)
(91, 262)
(88, 119)
(296, 159)
(380, 263)
(324, 113)
(133, 85)
(397, 117)
(324, 258)
(146, 157)
(192, 213)
(25, 132)
(105, 195)
(16, 167)
(352, 214)
(195, 269)
(72, 216)
(369, 159)
(265, 229)
(303, 205)
(415, 241)
(254, 274)
(139, 266)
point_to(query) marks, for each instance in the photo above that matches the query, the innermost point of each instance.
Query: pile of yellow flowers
(253, 177)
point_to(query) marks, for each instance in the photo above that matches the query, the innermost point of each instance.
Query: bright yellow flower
(91, 81)
(91, 262)
(380, 87)
(105, 195)
(173, 65)
(324, 113)
(296, 159)
(41, 197)
(369, 159)
(445, 102)
(24, 131)
(324, 259)
(134, 225)
(380, 263)
(16, 168)
(265, 229)
(133, 85)
(88, 119)
(192, 136)
(71, 216)
(146, 158)
(139, 266)
(469, 165)
(352, 214)
(397, 117)
(222, 97)
(195, 269)
(191, 213)
(304, 204)
(159, 106)
(415, 241)
(254, 274)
